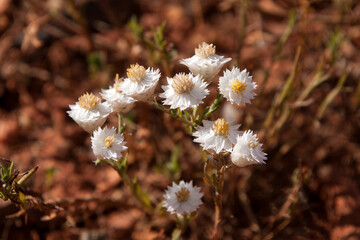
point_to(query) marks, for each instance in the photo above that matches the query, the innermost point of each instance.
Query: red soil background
(309, 188)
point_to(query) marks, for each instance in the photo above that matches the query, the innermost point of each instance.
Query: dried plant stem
(27, 175)
(243, 23)
(279, 46)
(215, 177)
(254, 225)
(166, 64)
(217, 217)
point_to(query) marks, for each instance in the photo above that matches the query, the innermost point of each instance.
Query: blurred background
(304, 56)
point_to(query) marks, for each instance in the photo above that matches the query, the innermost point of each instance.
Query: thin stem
(243, 23)
(182, 224)
(217, 217)
(27, 175)
(214, 175)
(211, 109)
(135, 189)
(254, 225)
(121, 126)
(166, 64)
(175, 113)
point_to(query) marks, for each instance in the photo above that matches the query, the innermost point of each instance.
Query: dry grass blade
(279, 46)
(243, 23)
(357, 95)
(319, 78)
(285, 92)
(330, 97)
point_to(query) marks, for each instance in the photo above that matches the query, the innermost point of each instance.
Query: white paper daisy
(218, 136)
(247, 150)
(89, 112)
(205, 62)
(237, 86)
(107, 144)
(183, 198)
(120, 102)
(184, 91)
(140, 83)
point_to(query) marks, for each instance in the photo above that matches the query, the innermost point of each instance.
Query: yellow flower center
(109, 141)
(88, 101)
(136, 73)
(238, 86)
(182, 195)
(205, 50)
(117, 83)
(221, 127)
(182, 83)
(253, 144)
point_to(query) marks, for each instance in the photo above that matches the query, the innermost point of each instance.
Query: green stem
(135, 189)
(174, 113)
(210, 109)
(182, 224)
(121, 126)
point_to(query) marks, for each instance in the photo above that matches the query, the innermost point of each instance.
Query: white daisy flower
(89, 112)
(247, 150)
(182, 198)
(237, 86)
(218, 136)
(184, 91)
(107, 144)
(140, 83)
(120, 102)
(205, 62)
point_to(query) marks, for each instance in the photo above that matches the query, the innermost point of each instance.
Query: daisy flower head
(237, 86)
(218, 136)
(120, 102)
(205, 62)
(182, 198)
(89, 112)
(140, 83)
(248, 150)
(184, 91)
(107, 144)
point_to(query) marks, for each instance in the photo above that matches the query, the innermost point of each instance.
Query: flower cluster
(221, 137)
(90, 113)
(187, 91)
(236, 86)
(183, 92)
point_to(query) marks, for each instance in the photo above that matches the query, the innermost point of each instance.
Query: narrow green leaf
(22, 199)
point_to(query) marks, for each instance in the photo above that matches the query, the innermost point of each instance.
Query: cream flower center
(182, 195)
(182, 83)
(205, 50)
(136, 73)
(88, 101)
(238, 85)
(253, 144)
(109, 141)
(221, 127)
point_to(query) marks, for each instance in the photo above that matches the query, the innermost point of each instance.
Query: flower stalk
(193, 118)
(121, 125)
(182, 222)
(214, 173)
(142, 197)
